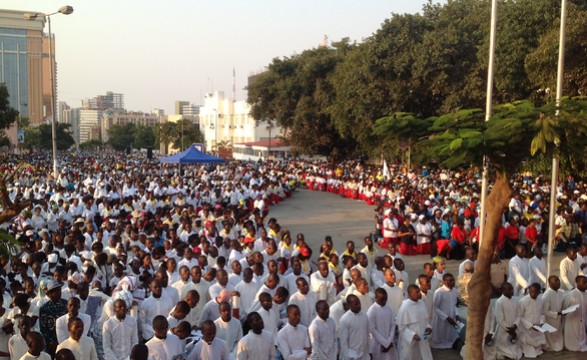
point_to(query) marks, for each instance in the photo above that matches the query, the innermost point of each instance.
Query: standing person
(569, 268)
(49, 313)
(163, 345)
(382, 327)
(506, 316)
(537, 267)
(305, 300)
(413, 327)
(531, 340)
(257, 344)
(395, 295)
(119, 333)
(354, 332)
(444, 334)
(292, 340)
(519, 271)
(17, 345)
(36, 343)
(425, 232)
(322, 332)
(322, 283)
(151, 307)
(210, 347)
(82, 346)
(62, 324)
(228, 328)
(552, 305)
(574, 324)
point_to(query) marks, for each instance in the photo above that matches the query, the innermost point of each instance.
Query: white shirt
(164, 349)
(307, 305)
(63, 331)
(214, 351)
(292, 342)
(231, 332)
(382, 327)
(323, 339)
(82, 350)
(538, 271)
(149, 308)
(569, 270)
(519, 272)
(256, 347)
(119, 337)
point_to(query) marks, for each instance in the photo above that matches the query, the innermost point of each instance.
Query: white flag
(385, 171)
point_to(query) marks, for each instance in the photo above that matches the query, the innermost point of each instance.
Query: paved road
(318, 214)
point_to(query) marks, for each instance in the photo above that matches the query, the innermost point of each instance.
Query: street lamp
(65, 10)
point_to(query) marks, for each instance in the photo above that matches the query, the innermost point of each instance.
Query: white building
(224, 119)
(88, 120)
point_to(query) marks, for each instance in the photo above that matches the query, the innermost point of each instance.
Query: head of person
(139, 352)
(414, 293)
(322, 309)
(64, 354)
(281, 295)
(76, 328)
(35, 342)
(380, 296)
(24, 326)
(572, 253)
(302, 285)
(554, 282)
(120, 308)
(424, 283)
(156, 288)
(389, 276)
(266, 301)
(399, 264)
(353, 303)
(255, 322)
(323, 268)
(225, 311)
(581, 282)
(73, 305)
(208, 331)
(160, 326)
(534, 290)
(181, 310)
(507, 290)
(293, 315)
(192, 298)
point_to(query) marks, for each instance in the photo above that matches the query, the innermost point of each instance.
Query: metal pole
(555, 160)
(488, 112)
(53, 118)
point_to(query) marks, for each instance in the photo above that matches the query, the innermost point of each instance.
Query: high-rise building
(89, 120)
(70, 116)
(190, 110)
(110, 101)
(25, 65)
(179, 106)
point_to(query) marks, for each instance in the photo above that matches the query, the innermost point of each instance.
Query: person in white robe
(210, 346)
(305, 300)
(354, 332)
(81, 346)
(119, 333)
(427, 295)
(506, 317)
(537, 266)
(574, 324)
(552, 306)
(17, 345)
(322, 283)
(293, 341)
(322, 333)
(519, 271)
(228, 328)
(269, 314)
(395, 294)
(337, 310)
(444, 333)
(257, 344)
(61, 324)
(382, 327)
(569, 269)
(164, 345)
(247, 289)
(151, 307)
(531, 340)
(413, 327)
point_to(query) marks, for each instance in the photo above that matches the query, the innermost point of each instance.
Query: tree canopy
(8, 114)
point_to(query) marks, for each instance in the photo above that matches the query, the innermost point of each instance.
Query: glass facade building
(14, 67)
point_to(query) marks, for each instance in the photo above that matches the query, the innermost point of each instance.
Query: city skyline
(156, 54)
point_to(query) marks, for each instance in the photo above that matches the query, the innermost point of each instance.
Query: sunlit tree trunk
(480, 286)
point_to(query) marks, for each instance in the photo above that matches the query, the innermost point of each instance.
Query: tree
(186, 133)
(516, 133)
(8, 114)
(144, 137)
(121, 136)
(62, 135)
(91, 145)
(166, 131)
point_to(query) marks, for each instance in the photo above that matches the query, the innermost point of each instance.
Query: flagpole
(555, 161)
(488, 112)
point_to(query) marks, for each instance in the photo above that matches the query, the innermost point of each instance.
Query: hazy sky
(159, 51)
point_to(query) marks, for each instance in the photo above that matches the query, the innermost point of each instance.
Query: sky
(158, 51)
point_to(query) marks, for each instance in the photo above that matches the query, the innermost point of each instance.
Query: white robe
(256, 347)
(62, 330)
(84, 349)
(203, 351)
(552, 302)
(247, 292)
(519, 272)
(118, 337)
(445, 305)
(336, 313)
(323, 339)
(231, 332)
(531, 340)
(354, 336)
(412, 319)
(382, 327)
(149, 308)
(307, 305)
(164, 349)
(292, 342)
(569, 270)
(395, 297)
(506, 315)
(538, 271)
(574, 323)
(323, 287)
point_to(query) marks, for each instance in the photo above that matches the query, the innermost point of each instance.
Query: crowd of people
(118, 257)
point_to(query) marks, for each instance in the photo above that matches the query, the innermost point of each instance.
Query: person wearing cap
(49, 313)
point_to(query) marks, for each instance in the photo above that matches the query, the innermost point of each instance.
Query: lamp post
(65, 10)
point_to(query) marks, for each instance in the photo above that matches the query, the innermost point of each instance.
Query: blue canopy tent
(191, 155)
